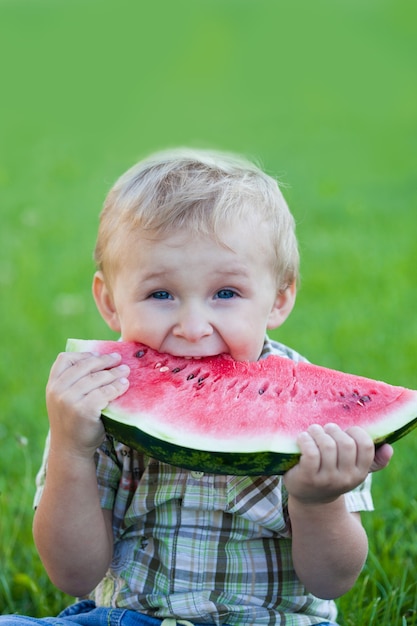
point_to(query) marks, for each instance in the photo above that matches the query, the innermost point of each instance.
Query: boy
(196, 256)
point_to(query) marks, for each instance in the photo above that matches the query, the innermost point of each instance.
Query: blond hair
(199, 191)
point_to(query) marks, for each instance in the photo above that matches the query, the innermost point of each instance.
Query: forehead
(241, 237)
(245, 240)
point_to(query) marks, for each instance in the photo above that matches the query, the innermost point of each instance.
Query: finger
(73, 388)
(326, 446)
(365, 448)
(309, 448)
(97, 399)
(308, 465)
(65, 360)
(102, 378)
(383, 455)
(72, 366)
(346, 448)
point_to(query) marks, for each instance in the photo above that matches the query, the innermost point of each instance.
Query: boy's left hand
(333, 462)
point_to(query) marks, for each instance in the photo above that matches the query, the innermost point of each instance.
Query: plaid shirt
(207, 548)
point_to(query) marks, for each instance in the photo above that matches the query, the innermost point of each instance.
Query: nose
(192, 323)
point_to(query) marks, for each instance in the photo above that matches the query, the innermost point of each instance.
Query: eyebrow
(241, 271)
(154, 275)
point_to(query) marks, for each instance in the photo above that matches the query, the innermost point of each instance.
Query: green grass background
(324, 94)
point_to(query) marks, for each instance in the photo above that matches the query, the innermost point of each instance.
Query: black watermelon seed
(176, 370)
(139, 354)
(190, 376)
(363, 400)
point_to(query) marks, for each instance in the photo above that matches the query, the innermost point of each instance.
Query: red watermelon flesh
(217, 405)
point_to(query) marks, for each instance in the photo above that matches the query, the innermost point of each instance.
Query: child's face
(192, 296)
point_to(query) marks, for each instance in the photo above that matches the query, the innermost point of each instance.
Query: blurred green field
(324, 94)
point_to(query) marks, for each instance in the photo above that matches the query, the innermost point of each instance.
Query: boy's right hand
(80, 386)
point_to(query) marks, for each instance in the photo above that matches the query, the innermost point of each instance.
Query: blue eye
(225, 294)
(161, 295)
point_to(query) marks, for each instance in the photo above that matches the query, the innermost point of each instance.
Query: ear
(283, 305)
(104, 302)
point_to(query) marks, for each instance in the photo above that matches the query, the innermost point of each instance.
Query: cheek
(246, 339)
(247, 351)
(144, 327)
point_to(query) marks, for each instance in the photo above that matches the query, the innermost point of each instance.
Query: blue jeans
(85, 613)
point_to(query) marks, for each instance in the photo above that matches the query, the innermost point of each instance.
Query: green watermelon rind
(264, 463)
(397, 434)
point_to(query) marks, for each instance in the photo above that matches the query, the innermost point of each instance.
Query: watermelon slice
(218, 415)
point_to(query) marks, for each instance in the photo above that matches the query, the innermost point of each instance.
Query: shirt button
(197, 474)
